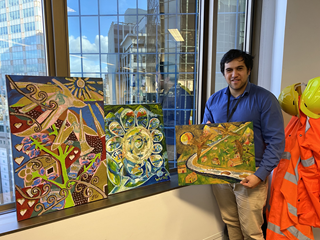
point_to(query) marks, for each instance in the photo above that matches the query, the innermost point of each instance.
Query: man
(241, 204)
(175, 99)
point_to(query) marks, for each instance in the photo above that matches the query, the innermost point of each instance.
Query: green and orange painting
(215, 153)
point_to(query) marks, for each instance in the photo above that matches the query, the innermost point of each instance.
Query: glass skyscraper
(22, 52)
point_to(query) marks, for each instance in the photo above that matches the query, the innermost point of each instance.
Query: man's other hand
(251, 181)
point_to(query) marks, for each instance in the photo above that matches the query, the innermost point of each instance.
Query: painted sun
(83, 88)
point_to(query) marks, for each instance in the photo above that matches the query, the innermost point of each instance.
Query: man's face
(236, 75)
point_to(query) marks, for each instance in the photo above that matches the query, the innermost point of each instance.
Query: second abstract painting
(136, 147)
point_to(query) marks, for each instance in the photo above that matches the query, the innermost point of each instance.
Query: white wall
(301, 57)
(185, 213)
(290, 44)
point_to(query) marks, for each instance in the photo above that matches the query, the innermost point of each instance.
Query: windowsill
(9, 223)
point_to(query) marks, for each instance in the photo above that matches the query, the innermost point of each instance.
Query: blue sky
(90, 7)
(89, 24)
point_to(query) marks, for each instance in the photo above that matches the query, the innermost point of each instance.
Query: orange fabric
(309, 186)
(283, 222)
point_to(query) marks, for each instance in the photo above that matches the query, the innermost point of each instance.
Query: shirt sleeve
(207, 116)
(272, 128)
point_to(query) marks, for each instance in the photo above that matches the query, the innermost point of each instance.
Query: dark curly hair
(236, 53)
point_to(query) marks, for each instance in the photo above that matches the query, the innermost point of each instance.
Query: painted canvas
(135, 146)
(215, 153)
(58, 142)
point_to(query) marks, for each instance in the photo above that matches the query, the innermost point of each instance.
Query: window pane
(109, 34)
(21, 53)
(168, 6)
(143, 4)
(230, 32)
(167, 41)
(89, 7)
(91, 63)
(127, 6)
(109, 62)
(90, 35)
(75, 63)
(74, 35)
(230, 5)
(108, 7)
(73, 7)
(186, 62)
(188, 6)
(187, 30)
(151, 63)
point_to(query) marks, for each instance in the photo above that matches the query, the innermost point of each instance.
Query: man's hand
(251, 181)
(208, 122)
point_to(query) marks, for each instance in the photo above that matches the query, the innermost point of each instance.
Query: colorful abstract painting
(58, 142)
(215, 153)
(136, 146)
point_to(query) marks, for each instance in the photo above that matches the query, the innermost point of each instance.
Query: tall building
(22, 52)
(120, 40)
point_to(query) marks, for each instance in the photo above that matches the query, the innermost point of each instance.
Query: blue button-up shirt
(261, 107)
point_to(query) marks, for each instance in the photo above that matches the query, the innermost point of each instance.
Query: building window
(2, 4)
(29, 26)
(3, 17)
(29, 12)
(3, 30)
(14, 15)
(4, 44)
(13, 2)
(16, 28)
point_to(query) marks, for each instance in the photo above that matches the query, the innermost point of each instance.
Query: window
(28, 12)
(3, 30)
(13, 2)
(138, 52)
(14, 15)
(16, 40)
(230, 33)
(16, 28)
(2, 4)
(31, 40)
(3, 17)
(17, 55)
(29, 26)
(128, 45)
(4, 44)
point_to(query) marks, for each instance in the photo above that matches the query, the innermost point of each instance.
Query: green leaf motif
(113, 171)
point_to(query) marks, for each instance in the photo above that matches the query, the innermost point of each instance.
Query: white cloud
(70, 9)
(87, 46)
(89, 64)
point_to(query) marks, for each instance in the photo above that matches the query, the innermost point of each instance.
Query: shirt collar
(247, 90)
